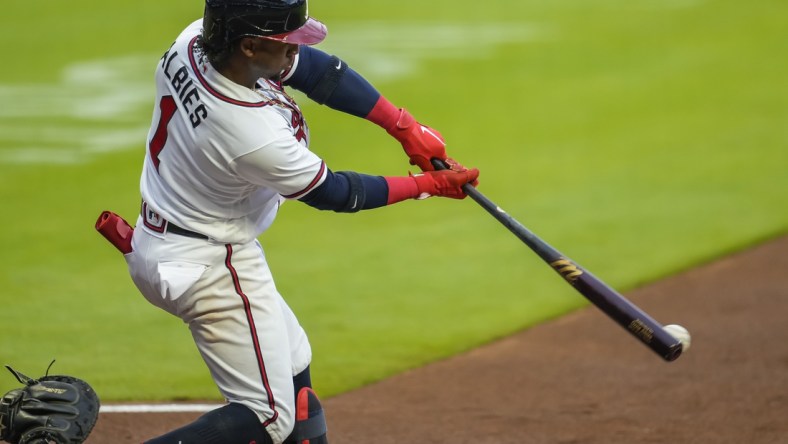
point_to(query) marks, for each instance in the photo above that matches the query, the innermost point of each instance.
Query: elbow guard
(358, 195)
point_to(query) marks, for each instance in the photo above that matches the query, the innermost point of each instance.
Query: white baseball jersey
(220, 160)
(211, 137)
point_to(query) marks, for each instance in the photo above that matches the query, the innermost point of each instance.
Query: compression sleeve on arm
(349, 192)
(328, 80)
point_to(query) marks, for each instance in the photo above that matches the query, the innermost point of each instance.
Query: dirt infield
(582, 379)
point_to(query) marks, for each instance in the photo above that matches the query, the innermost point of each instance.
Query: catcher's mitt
(52, 409)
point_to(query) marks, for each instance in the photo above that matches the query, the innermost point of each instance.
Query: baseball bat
(637, 322)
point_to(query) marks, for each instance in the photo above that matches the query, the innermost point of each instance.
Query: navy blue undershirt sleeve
(353, 94)
(335, 192)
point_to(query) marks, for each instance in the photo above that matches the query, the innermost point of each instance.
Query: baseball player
(227, 147)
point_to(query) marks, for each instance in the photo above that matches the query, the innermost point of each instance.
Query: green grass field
(639, 137)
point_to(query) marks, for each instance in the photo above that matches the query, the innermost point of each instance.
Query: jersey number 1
(167, 109)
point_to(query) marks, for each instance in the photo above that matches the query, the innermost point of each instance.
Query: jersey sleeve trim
(315, 182)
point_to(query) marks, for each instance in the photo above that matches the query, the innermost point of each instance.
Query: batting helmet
(284, 20)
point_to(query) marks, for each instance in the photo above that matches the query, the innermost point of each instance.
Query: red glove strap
(394, 120)
(420, 142)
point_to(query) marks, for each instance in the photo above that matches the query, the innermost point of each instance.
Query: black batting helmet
(284, 20)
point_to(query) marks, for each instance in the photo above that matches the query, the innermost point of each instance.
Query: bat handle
(469, 189)
(439, 164)
(477, 196)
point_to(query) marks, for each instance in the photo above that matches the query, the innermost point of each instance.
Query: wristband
(384, 114)
(401, 188)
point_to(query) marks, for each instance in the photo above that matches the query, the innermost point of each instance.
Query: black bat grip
(439, 164)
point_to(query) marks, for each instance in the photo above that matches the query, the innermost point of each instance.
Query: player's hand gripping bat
(625, 313)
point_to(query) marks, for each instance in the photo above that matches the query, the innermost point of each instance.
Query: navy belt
(155, 222)
(174, 229)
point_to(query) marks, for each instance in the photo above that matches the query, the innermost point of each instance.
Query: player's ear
(248, 46)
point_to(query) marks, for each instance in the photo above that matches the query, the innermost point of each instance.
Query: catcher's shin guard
(310, 426)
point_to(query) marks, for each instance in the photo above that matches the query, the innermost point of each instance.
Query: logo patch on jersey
(152, 219)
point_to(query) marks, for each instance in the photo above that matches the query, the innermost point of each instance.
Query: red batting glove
(456, 166)
(445, 183)
(420, 142)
